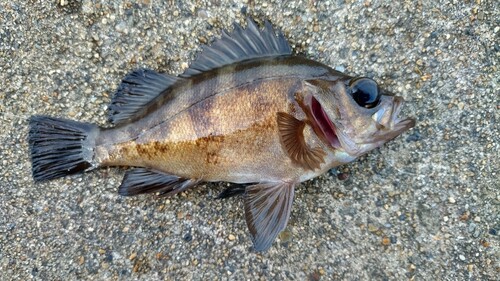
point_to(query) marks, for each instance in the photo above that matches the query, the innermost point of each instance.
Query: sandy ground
(425, 206)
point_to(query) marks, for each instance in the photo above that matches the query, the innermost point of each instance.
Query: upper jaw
(391, 125)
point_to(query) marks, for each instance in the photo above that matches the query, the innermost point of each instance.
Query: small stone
(451, 200)
(159, 256)
(132, 256)
(122, 27)
(386, 241)
(461, 257)
(394, 239)
(180, 215)
(470, 267)
(231, 237)
(202, 14)
(477, 219)
(102, 251)
(188, 237)
(485, 243)
(285, 235)
(372, 228)
(343, 176)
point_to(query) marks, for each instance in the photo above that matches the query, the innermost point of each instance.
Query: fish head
(354, 115)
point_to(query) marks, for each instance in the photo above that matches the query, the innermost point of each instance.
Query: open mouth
(324, 124)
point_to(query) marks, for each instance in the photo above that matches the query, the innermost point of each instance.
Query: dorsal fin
(240, 45)
(137, 89)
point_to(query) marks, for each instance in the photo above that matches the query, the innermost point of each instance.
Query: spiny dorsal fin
(240, 45)
(137, 89)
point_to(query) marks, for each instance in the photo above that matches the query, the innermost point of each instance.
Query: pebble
(386, 241)
(122, 27)
(231, 237)
(343, 176)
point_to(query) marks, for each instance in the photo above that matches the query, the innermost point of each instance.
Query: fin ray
(137, 89)
(60, 147)
(292, 138)
(141, 181)
(267, 210)
(239, 45)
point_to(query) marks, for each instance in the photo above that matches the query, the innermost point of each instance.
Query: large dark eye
(365, 92)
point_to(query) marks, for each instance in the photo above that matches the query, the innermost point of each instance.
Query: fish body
(221, 125)
(246, 111)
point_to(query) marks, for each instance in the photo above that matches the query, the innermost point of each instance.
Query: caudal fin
(60, 147)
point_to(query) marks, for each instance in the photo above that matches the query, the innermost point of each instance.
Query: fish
(247, 111)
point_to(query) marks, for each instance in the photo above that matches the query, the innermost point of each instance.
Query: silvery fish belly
(246, 111)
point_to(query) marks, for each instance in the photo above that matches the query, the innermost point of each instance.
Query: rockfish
(246, 111)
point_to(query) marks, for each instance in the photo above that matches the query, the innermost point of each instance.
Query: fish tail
(60, 147)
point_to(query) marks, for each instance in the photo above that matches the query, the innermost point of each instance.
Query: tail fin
(60, 147)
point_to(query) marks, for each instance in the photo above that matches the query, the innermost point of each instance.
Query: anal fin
(141, 180)
(267, 210)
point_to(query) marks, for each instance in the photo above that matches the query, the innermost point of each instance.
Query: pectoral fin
(291, 133)
(267, 209)
(140, 180)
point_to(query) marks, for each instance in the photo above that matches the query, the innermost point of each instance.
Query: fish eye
(365, 92)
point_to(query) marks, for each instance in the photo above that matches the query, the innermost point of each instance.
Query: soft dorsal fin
(240, 45)
(137, 89)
